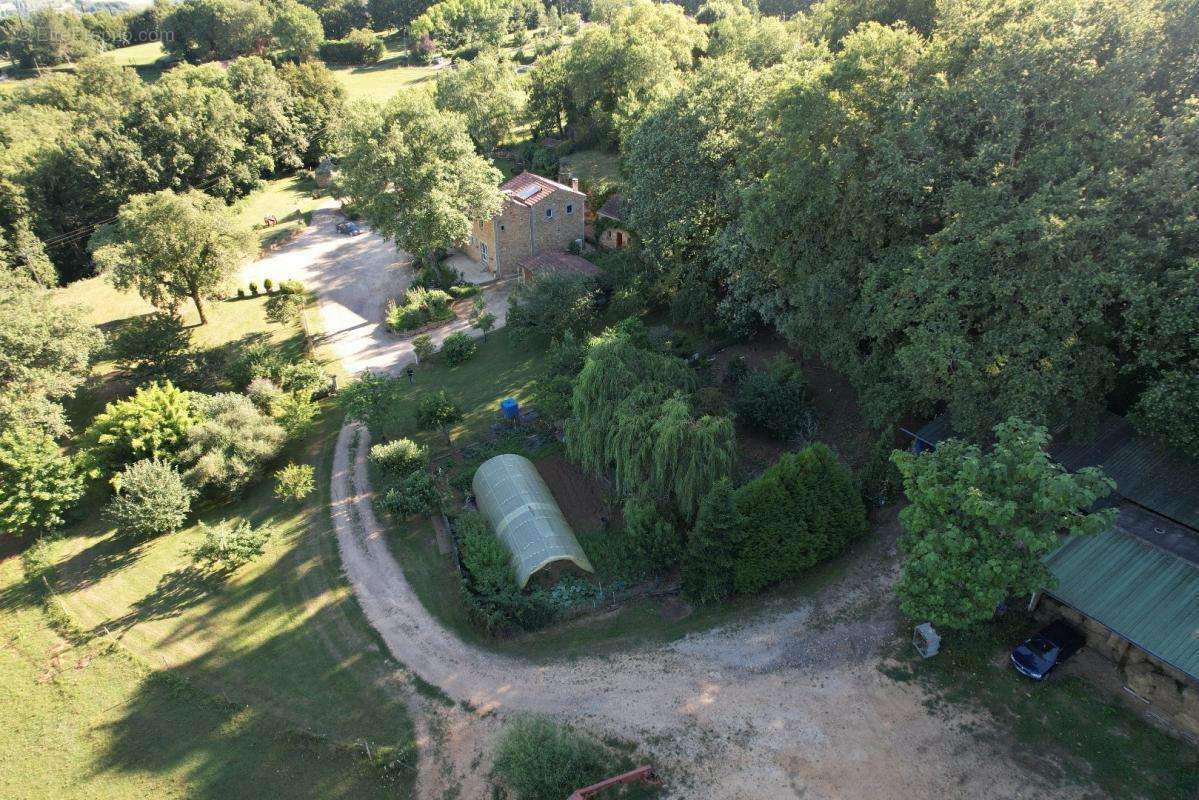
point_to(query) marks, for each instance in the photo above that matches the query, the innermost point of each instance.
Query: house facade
(539, 216)
(611, 222)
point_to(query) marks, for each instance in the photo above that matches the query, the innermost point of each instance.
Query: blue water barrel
(510, 408)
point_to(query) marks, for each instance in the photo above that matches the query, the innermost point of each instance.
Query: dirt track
(790, 704)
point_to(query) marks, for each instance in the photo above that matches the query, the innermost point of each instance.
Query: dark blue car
(349, 228)
(1047, 648)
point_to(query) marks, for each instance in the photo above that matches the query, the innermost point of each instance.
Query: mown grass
(279, 649)
(378, 82)
(288, 198)
(591, 166)
(1063, 727)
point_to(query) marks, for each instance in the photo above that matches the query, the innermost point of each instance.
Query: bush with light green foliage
(151, 499)
(153, 423)
(229, 545)
(418, 307)
(38, 482)
(537, 759)
(399, 458)
(458, 348)
(415, 493)
(294, 482)
(229, 445)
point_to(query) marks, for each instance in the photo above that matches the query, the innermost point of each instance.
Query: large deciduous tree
(297, 30)
(979, 522)
(173, 247)
(204, 30)
(413, 174)
(485, 92)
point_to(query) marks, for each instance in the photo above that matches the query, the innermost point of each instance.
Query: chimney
(574, 183)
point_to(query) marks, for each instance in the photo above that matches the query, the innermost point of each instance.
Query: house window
(570, 209)
(502, 228)
(549, 212)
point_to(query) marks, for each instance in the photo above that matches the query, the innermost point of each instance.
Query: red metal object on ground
(643, 774)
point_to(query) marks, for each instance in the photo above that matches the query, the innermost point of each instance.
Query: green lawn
(379, 82)
(592, 165)
(288, 199)
(1062, 727)
(285, 683)
(267, 684)
(230, 322)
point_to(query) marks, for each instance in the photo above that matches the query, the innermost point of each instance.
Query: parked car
(1047, 648)
(349, 228)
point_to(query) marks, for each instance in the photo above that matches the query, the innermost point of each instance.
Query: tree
(712, 547)
(342, 17)
(551, 306)
(774, 400)
(453, 23)
(458, 348)
(655, 536)
(294, 482)
(285, 308)
(979, 523)
(319, 105)
(297, 30)
(257, 87)
(423, 347)
(804, 510)
(205, 30)
(230, 444)
(1169, 410)
(396, 14)
(414, 175)
(415, 493)
(150, 424)
(45, 353)
(48, 37)
(172, 247)
(484, 91)
(230, 545)
(484, 322)
(151, 499)
(38, 482)
(438, 411)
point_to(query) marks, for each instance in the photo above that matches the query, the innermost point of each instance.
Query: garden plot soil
(788, 703)
(580, 496)
(839, 422)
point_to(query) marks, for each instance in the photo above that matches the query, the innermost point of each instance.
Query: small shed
(525, 516)
(611, 223)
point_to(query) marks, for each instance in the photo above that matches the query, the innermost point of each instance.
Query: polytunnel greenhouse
(525, 516)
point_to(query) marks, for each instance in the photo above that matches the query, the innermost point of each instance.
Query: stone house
(611, 223)
(539, 216)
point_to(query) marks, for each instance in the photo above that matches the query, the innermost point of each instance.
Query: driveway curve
(354, 277)
(775, 707)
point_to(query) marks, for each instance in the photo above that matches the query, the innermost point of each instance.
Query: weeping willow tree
(631, 417)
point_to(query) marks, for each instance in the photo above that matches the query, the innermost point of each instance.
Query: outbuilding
(525, 517)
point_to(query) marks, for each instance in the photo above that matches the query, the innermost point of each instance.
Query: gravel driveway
(354, 277)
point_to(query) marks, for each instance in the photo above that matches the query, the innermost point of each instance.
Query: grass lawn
(502, 367)
(591, 165)
(265, 683)
(229, 322)
(1062, 727)
(378, 82)
(288, 199)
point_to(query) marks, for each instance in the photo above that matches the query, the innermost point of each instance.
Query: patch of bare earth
(788, 703)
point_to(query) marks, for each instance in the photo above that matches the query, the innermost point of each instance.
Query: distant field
(379, 82)
(142, 57)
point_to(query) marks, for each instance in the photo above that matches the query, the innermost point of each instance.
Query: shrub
(230, 545)
(359, 47)
(292, 286)
(294, 411)
(294, 482)
(711, 557)
(458, 348)
(153, 347)
(262, 393)
(268, 284)
(655, 536)
(151, 499)
(539, 760)
(419, 306)
(803, 510)
(305, 376)
(489, 583)
(438, 411)
(38, 482)
(423, 347)
(241, 293)
(416, 493)
(259, 360)
(399, 458)
(879, 480)
(253, 288)
(285, 307)
(550, 306)
(150, 424)
(227, 449)
(461, 291)
(774, 400)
